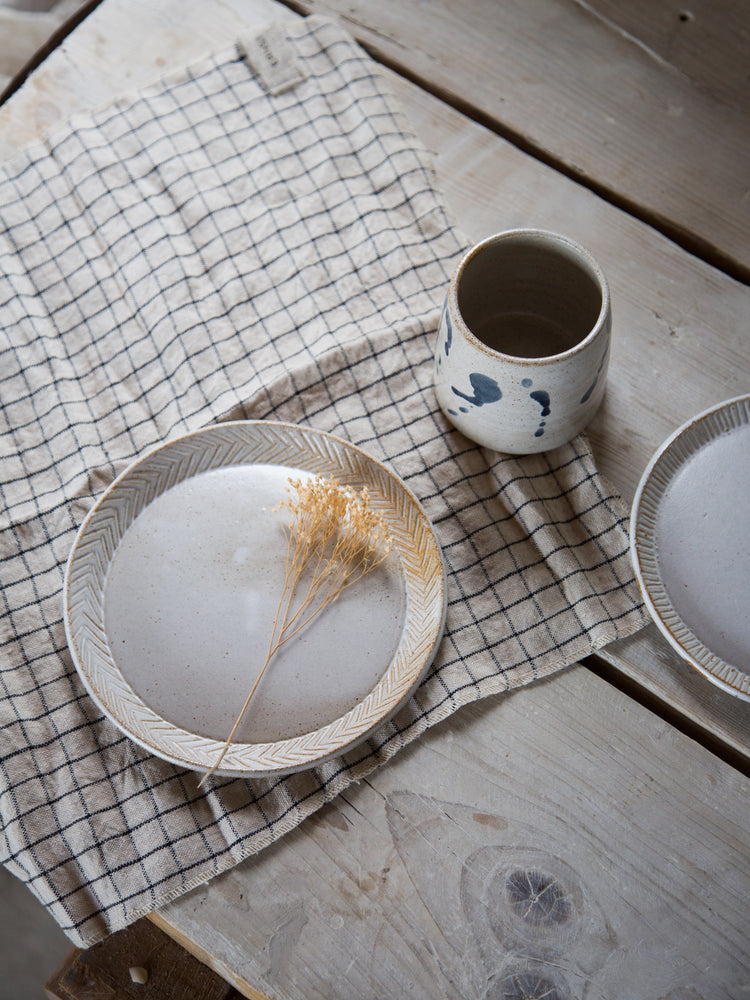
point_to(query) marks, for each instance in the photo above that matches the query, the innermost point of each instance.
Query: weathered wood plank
(25, 28)
(706, 40)
(104, 970)
(647, 663)
(21, 34)
(580, 92)
(518, 841)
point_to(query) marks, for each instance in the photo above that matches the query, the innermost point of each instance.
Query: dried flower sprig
(334, 538)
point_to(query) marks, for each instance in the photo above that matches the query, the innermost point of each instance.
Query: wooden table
(588, 834)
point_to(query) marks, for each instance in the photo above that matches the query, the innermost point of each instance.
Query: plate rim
(649, 492)
(264, 759)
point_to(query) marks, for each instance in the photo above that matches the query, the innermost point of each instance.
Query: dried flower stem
(334, 538)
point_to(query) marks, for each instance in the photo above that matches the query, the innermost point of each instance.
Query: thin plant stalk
(336, 538)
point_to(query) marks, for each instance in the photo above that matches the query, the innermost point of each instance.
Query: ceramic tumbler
(524, 341)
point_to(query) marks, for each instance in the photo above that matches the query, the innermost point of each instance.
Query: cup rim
(548, 236)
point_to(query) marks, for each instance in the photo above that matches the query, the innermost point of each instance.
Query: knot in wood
(529, 985)
(537, 898)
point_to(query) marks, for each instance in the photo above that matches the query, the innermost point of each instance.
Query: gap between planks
(691, 728)
(704, 249)
(56, 38)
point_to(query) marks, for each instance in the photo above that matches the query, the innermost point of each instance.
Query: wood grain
(517, 843)
(582, 94)
(21, 33)
(705, 40)
(27, 28)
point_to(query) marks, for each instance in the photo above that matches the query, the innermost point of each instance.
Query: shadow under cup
(523, 343)
(529, 299)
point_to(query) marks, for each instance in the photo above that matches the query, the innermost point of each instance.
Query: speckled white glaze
(500, 398)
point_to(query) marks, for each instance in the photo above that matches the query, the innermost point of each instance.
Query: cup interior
(530, 295)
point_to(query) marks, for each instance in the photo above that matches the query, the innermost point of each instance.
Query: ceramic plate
(174, 580)
(690, 541)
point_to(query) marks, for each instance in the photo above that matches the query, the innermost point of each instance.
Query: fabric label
(270, 55)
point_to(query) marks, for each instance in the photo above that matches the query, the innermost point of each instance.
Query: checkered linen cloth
(204, 251)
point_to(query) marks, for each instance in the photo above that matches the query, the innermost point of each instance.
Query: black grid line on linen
(203, 251)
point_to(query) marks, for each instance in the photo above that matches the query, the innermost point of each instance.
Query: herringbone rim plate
(251, 443)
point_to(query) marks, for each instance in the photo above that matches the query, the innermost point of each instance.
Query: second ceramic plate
(690, 541)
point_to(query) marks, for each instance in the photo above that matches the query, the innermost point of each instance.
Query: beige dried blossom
(334, 538)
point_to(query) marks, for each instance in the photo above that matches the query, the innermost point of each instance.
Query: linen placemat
(226, 245)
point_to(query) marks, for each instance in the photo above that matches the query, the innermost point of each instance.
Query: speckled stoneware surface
(690, 541)
(523, 346)
(172, 587)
